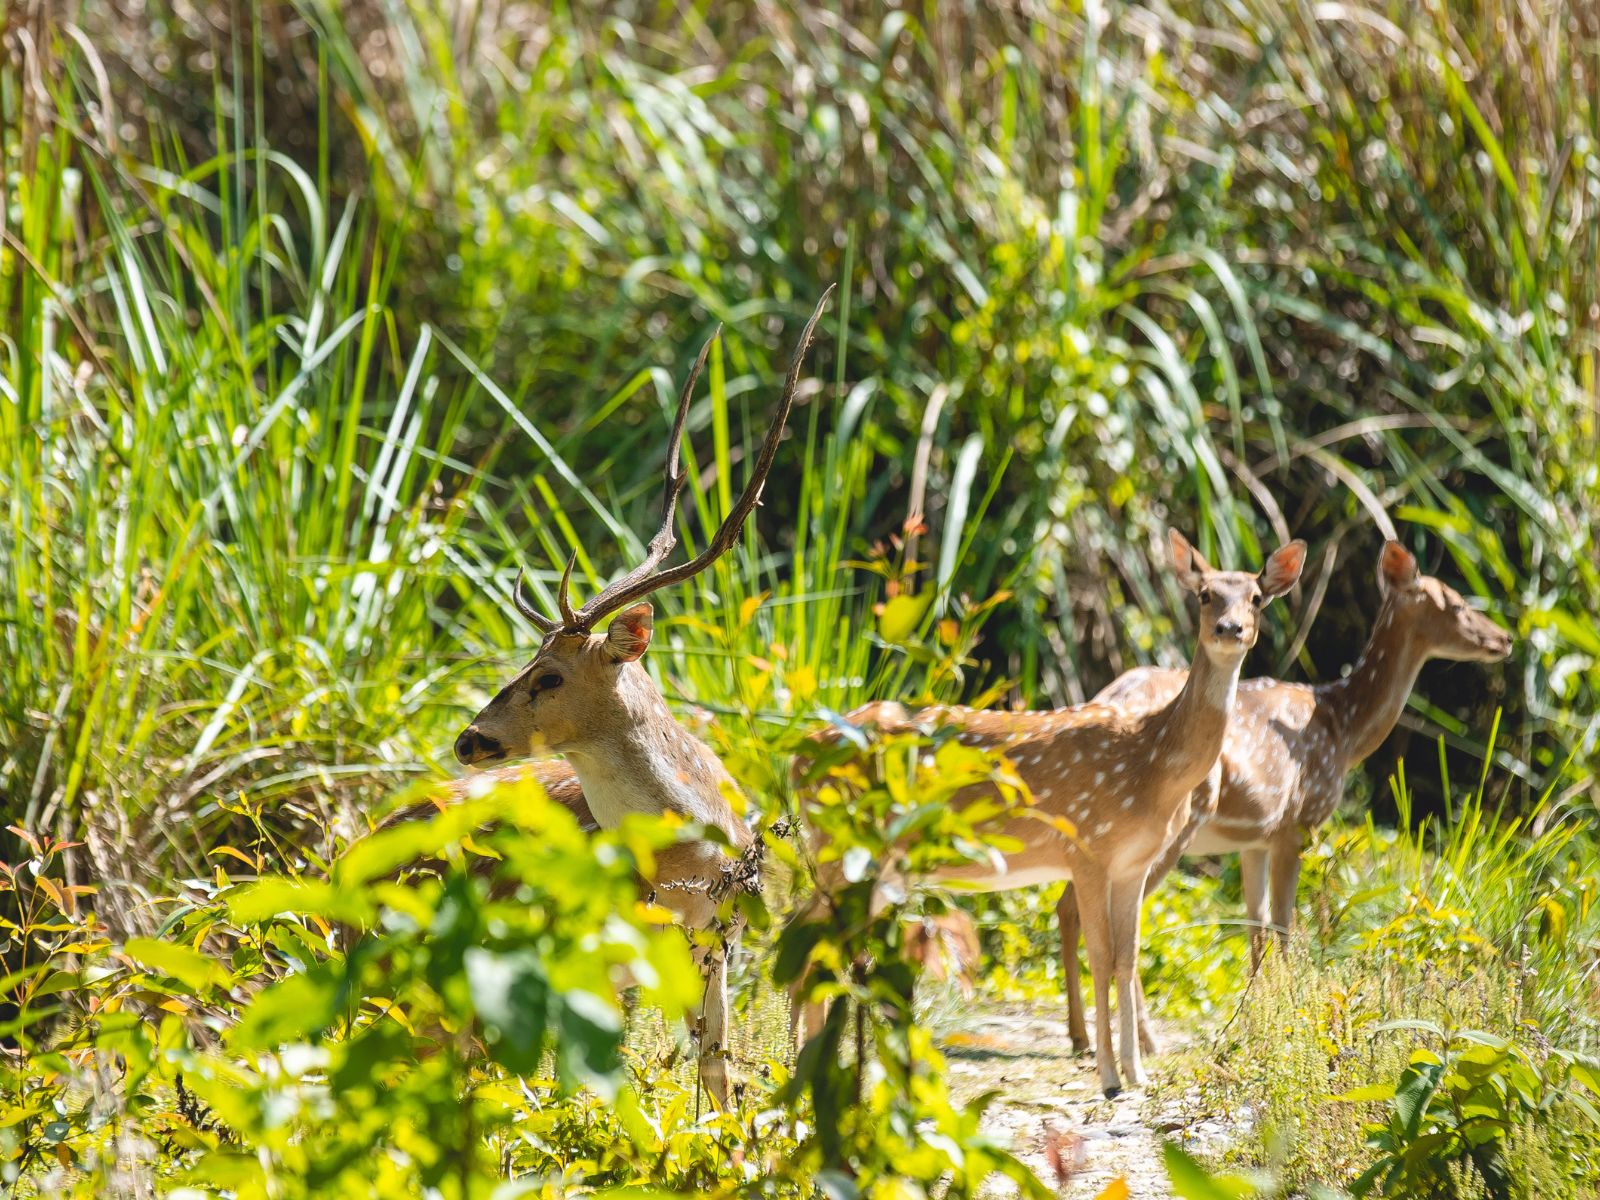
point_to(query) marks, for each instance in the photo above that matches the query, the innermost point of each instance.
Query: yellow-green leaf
(902, 615)
(188, 967)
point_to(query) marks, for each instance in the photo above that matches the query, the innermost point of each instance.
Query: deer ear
(1187, 564)
(628, 636)
(1282, 570)
(1397, 567)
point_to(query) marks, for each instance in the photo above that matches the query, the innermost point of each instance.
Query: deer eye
(1258, 599)
(545, 682)
(1205, 595)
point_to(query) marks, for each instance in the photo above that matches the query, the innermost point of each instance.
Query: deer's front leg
(1094, 914)
(1147, 1040)
(1124, 901)
(1203, 803)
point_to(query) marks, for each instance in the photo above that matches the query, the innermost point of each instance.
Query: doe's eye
(545, 682)
(1258, 599)
(1205, 595)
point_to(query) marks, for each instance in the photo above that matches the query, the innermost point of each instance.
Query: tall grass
(1343, 292)
(1258, 269)
(229, 492)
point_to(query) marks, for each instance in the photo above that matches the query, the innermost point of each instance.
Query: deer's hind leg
(711, 1027)
(1253, 881)
(1070, 927)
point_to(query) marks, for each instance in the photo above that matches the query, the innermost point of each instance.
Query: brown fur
(1121, 777)
(586, 696)
(1289, 747)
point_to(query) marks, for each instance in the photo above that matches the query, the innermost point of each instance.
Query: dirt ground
(1050, 1109)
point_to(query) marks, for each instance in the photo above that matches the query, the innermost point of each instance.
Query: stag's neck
(653, 765)
(1364, 706)
(1190, 729)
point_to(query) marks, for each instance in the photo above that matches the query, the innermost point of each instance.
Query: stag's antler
(644, 578)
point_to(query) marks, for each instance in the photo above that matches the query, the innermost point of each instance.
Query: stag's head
(584, 687)
(1231, 601)
(1432, 614)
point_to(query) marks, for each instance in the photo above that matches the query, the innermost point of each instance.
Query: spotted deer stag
(1120, 777)
(586, 696)
(1289, 747)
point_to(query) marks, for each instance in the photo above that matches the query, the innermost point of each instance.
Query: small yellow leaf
(1117, 1189)
(50, 889)
(802, 683)
(253, 863)
(748, 607)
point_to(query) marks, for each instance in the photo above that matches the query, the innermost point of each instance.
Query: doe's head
(1231, 601)
(574, 691)
(1433, 614)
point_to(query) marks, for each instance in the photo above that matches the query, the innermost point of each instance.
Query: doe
(1290, 746)
(1120, 776)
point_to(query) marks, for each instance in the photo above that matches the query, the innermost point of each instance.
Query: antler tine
(639, 582)
(564, 593)
(666, 537)
(525, 606)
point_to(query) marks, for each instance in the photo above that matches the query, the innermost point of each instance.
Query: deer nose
(472, 746)
(1228, 627)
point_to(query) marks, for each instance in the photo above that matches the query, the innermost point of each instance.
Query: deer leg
(805, 1020)
(714, 1026)
(1147, 1041)
(1068, 925)
(1253, 881)
(1283, 867)
(1094, 912)
(1125, 897)
(1205, 803)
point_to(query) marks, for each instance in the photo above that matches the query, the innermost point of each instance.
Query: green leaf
(794, 949)
(293, 1010)
(1416, 1087)
(254, 903)
(901, 616)
(189, 967)
(512, 998)
(587, 1048)
(1191, 1181)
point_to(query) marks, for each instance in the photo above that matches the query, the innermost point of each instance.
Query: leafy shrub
(1452, 1114)
(440, 1050)
(881, 808)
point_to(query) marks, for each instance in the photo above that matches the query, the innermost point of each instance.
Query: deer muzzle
(473, 747)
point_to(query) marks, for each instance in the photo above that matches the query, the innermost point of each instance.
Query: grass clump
(1433, 1033)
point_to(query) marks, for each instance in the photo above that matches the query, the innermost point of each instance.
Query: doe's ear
(1282, 569)
(628, 636)
(1397, 567)
(1187, 564)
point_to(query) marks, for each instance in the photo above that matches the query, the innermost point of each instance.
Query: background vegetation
(320, 318)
